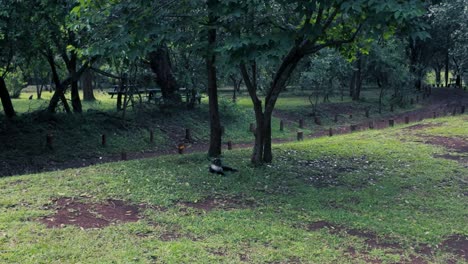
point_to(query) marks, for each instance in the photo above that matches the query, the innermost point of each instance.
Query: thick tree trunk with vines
(161, 66)
(87, 81)
(6, 100)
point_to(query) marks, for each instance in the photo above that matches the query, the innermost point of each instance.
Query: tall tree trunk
(358, 79)
(263, 146)
(75, 94)
(161, 66)
(352, 84)
(6, 100)
(236, 84)
(438, 75)
(215, 123)
(75, 97)
(416, 48)
(447, 61)
(259, 146)
(39, 91)
(39, 85)
(87, 81)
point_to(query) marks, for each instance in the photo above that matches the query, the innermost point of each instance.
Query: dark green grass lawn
(384, 182)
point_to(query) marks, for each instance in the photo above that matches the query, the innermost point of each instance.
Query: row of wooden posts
(180, 147)
(300, 134)
(353, 128)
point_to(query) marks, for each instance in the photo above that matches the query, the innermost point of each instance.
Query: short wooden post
(123, 155)
(301, 123)
(300, 136)
(371, 125)
(317, 121)
(353, 128)
(229, 144)
(281, 125)
(407, 120)
(391, 123)
(252, 127)
(188, 135)
(49, 141)
(103, 140)
(330, 132)
(462, 111)
(181, 148)
(434, 115)
(151, 135)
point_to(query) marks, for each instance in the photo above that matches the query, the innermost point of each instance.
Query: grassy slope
(370, 181)
(79, 136)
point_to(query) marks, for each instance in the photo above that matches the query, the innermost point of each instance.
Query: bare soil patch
(170, 236)
(223, 203)
(461, 159)
(456, 244)
(371, 239)
(457, 144)
(89, 215)
(421, 126)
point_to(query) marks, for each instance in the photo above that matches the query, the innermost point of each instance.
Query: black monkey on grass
(217, 167)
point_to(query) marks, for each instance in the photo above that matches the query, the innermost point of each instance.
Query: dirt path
(442, 102)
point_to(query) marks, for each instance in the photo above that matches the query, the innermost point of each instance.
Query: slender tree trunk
(59, 89)
(447, 61)
(352, 84)
(215, 123)
(39, 91)
(161, 66)
(39, 85)
(438, 75)
(381, 87)
(6, 100)
(87, 81)
(237, 84)
(358, 79)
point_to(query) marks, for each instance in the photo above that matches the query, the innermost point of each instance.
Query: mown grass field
(321, 201)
